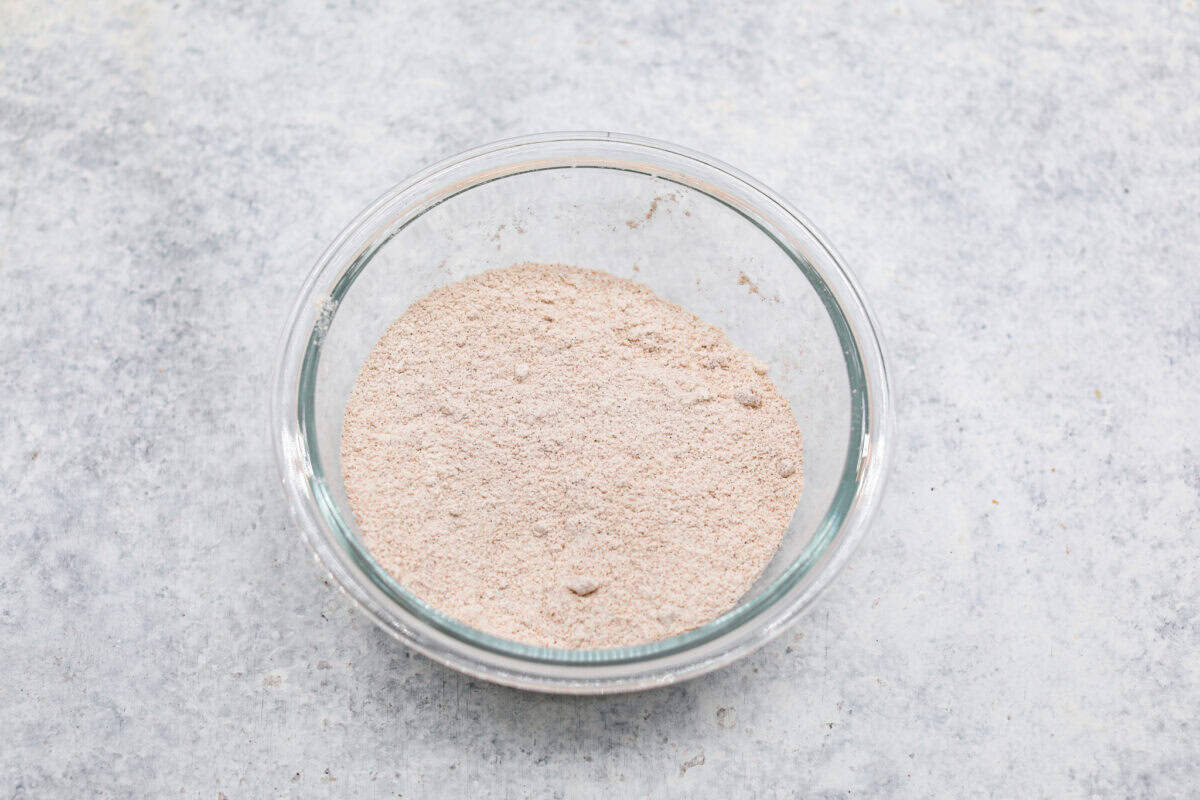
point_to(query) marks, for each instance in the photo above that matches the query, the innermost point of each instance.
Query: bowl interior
(691, 244)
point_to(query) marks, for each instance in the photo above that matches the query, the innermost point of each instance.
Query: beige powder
(560, 457)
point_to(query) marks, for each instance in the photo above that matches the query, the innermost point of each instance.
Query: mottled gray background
(1017, 185)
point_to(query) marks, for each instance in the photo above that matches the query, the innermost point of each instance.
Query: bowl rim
(458, 646)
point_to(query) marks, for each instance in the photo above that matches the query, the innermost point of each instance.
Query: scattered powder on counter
(559, 456)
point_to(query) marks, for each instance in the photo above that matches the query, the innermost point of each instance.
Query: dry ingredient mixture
(558, 456)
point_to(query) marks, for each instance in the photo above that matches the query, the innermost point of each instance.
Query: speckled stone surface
(1017, 186)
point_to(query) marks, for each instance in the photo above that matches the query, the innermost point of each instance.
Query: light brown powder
(559, 456)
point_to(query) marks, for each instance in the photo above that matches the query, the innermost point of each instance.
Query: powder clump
(650, 451)
(582, 585)
(748, 398)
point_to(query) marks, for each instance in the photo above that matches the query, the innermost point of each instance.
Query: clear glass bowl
(698, 233)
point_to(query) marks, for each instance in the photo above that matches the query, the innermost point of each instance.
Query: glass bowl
(697, 232)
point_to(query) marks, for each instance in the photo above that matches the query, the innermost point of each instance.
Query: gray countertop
(1017, 186)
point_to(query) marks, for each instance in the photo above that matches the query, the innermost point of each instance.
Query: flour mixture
(558, 456)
